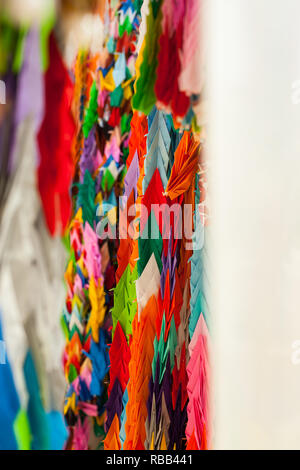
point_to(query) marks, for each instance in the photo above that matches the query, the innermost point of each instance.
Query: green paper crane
(86, 198)
(91, 114)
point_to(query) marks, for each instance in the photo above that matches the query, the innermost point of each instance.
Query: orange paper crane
(140, 369)
(187, 157)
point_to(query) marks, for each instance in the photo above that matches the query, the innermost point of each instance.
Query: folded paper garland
(137, 354)
(93, 409)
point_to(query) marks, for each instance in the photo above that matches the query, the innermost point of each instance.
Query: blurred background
(32, 253)
(254, 144)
